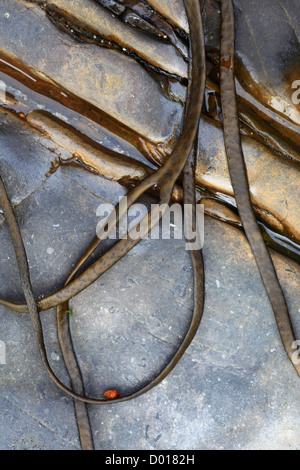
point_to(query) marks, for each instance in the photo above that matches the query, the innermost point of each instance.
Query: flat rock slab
(234, 388)
(109, 80)
(274, 181)
(173, 10)
(101, 22)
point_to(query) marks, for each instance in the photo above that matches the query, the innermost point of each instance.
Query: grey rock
(234, 388)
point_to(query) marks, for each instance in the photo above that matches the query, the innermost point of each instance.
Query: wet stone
(173, 10)
(100, 22)
(19, 98)
(274, 182)
(271, 60)
(112, 82)
(267, 64)
(25, 161)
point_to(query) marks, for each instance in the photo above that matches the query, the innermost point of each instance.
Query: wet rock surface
(271, 61)
(173, 11)
(102, 24)
(274, 183)
(111, 81)
(234, 388)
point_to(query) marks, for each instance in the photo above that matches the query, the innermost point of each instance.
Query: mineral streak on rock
(218, 208)
(99, 21)
(173, 10)
(129, 172)
(274, 182)
(109, 164)
(140, 15)
(21, 100)
(130, 99)
(15, 70)
(106, 163)
(219, 211)
(257, 120)
(274, 120)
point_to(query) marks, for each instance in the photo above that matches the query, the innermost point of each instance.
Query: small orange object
(111, 394)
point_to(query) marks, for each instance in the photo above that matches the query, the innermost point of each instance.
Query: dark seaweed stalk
(166, 177)
(238, 174)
